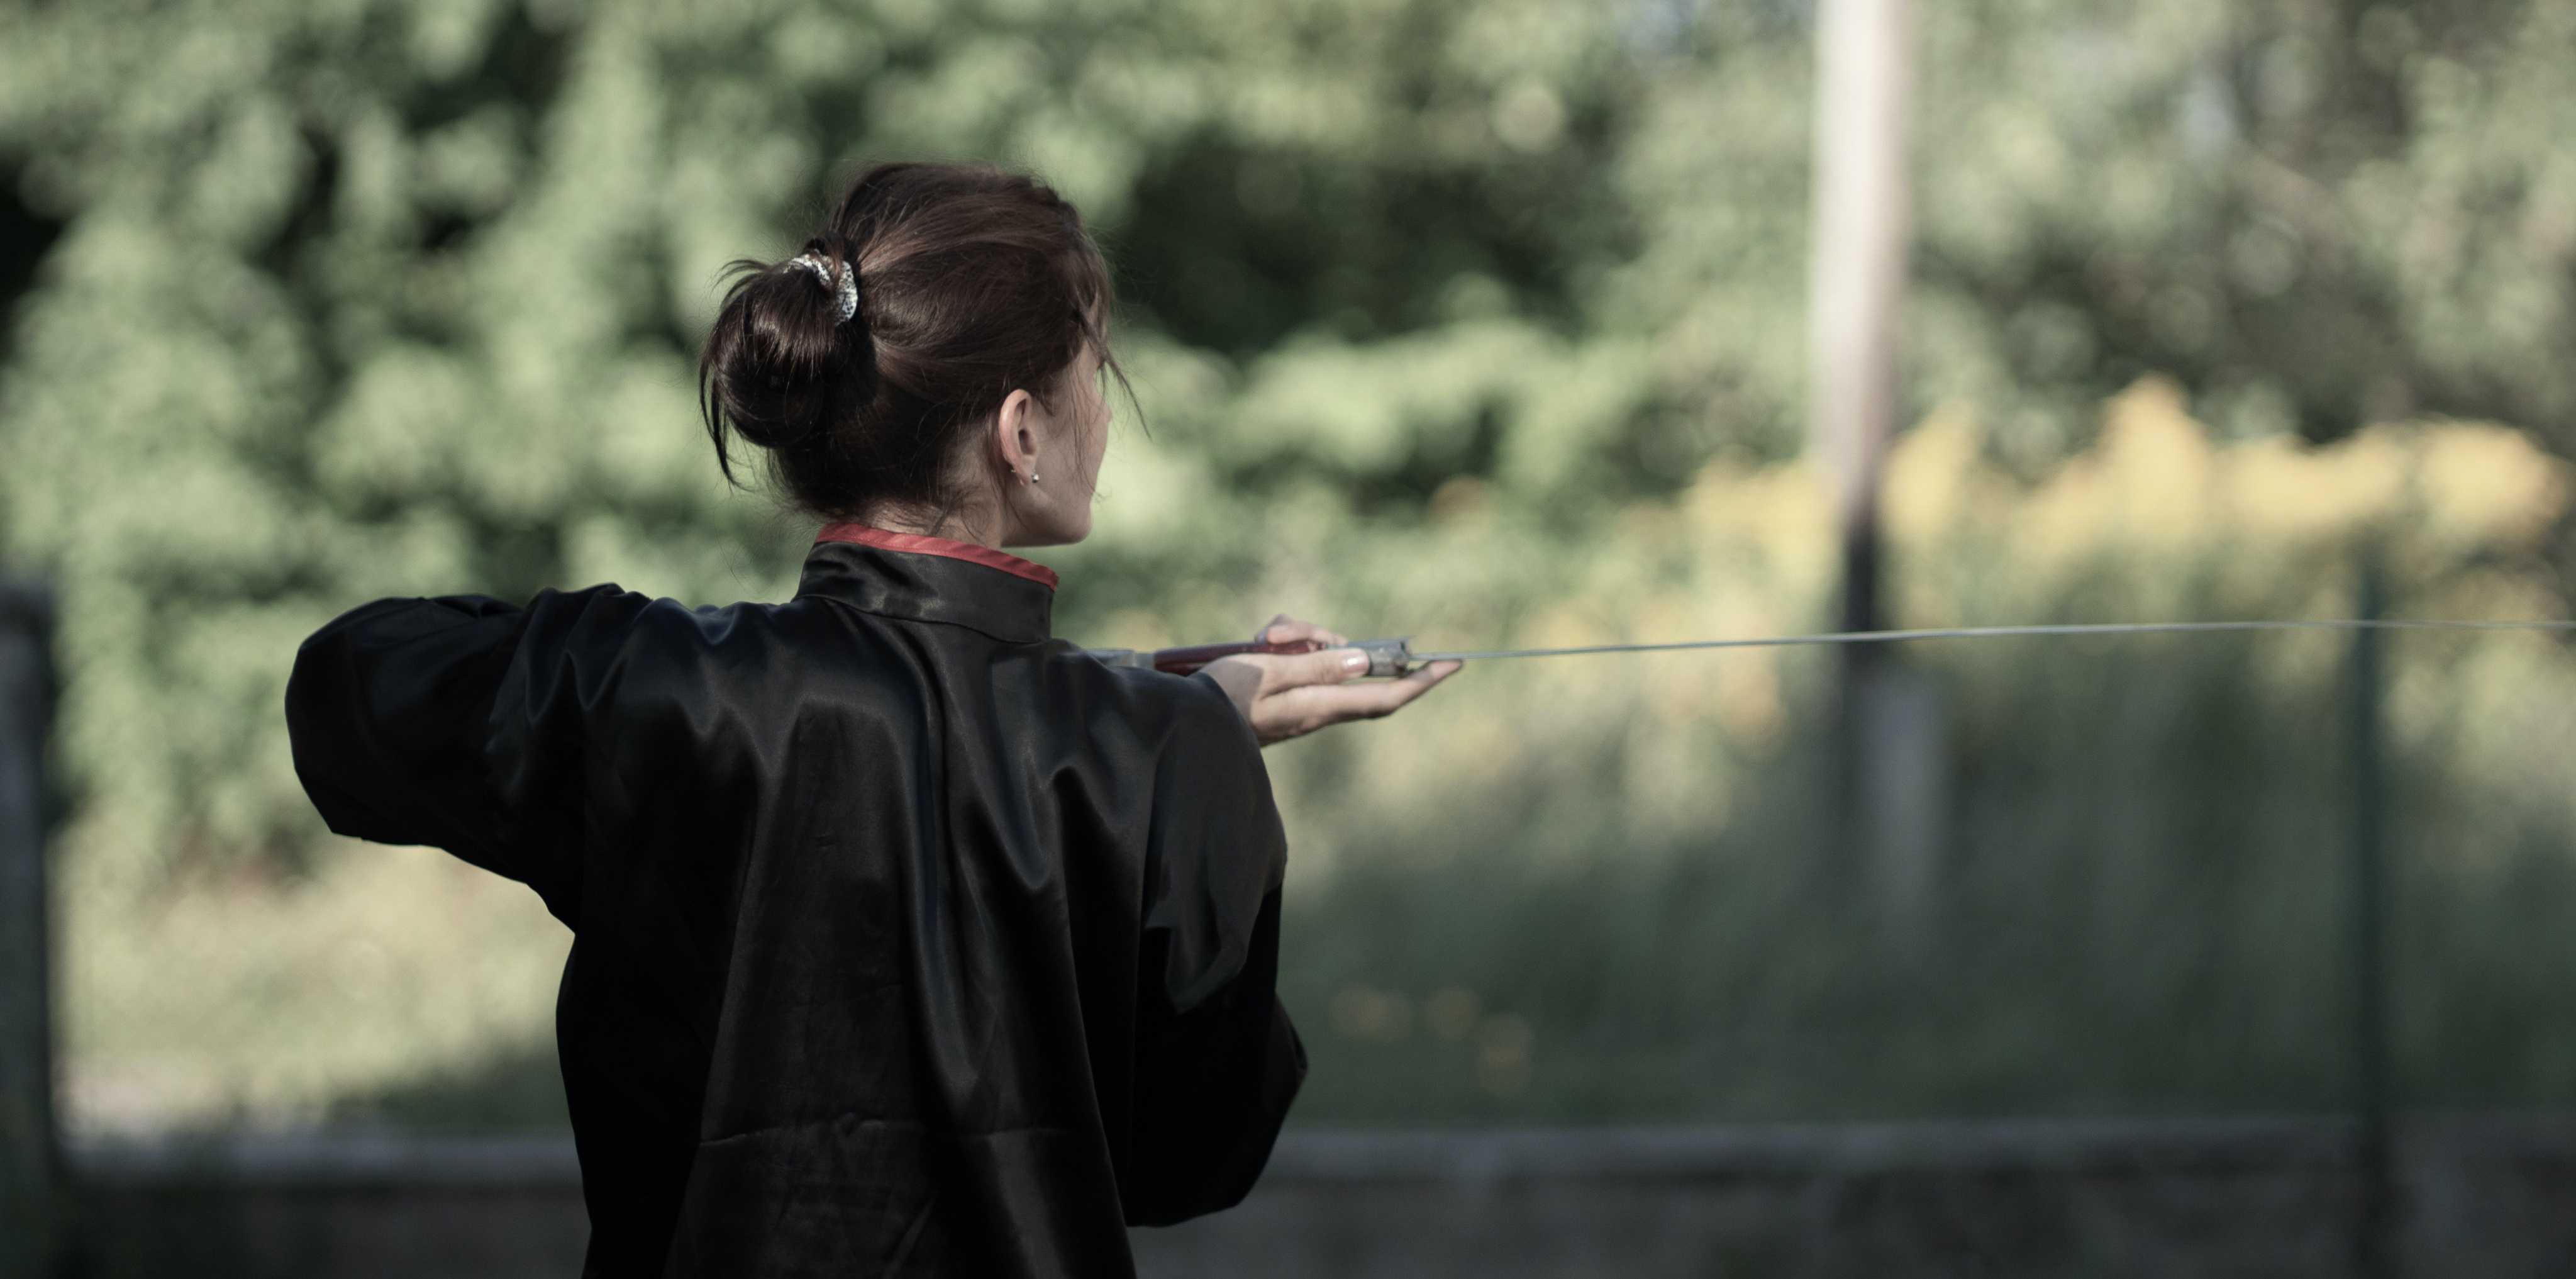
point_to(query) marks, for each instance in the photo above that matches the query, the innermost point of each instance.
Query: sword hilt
(1387, 657)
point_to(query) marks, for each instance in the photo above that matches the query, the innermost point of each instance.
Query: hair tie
(845, 290)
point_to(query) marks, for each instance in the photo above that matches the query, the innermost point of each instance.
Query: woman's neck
(969, 522)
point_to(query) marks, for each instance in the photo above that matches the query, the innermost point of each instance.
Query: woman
(907, 939)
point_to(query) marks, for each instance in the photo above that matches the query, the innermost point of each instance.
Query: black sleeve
(457, 722)
(1218, 1061)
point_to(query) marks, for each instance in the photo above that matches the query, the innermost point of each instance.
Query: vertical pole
(2373, 1216)
(1886, 753)
(1857, 272)
(28, 1190)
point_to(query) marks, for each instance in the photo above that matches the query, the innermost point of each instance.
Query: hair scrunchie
(845, 290)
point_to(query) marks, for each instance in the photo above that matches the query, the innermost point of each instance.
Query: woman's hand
(1291, 695)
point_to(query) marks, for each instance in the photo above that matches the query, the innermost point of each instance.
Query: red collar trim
(922, 544)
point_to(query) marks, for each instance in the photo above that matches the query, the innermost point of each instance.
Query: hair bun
(789, 356)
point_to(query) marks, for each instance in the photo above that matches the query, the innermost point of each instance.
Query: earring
(1033, 477)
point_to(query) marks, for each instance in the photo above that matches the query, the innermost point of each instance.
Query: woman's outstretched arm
(459, 722)
(389, 711)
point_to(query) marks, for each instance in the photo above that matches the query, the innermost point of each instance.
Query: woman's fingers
(1284, 629)
(1324, 704)
(1302, 670)
(1292, 694)
(1369, 701)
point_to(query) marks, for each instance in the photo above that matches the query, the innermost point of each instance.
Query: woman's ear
(1016, 438)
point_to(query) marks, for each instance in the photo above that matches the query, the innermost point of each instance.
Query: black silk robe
(906, 939)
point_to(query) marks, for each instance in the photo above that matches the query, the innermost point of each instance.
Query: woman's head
(965, 390)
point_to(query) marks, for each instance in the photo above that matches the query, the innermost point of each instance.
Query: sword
(1394, 657)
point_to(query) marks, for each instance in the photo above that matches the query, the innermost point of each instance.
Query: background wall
(2250, 1197)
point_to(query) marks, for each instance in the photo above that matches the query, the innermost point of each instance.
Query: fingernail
(1355, 662)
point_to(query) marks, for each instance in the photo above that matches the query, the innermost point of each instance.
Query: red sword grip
(1187, 660)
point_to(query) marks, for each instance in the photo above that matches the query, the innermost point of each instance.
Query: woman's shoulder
(623, 641)
(612, 614)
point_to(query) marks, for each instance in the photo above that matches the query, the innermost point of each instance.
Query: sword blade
(2005, 632)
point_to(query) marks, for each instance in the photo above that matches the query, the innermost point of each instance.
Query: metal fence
(27, 1141)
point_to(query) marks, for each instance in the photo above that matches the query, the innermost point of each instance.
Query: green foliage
(2315, 214)
(358, 298)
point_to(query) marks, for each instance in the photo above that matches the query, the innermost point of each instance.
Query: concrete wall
(2484, 1197)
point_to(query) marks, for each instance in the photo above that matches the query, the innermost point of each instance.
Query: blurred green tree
(316, 302)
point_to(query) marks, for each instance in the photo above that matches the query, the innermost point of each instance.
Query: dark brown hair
(973, 281)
